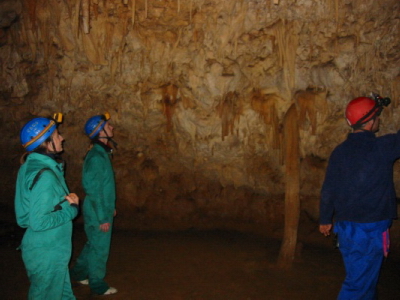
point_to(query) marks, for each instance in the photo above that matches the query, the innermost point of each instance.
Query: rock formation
(197, 91)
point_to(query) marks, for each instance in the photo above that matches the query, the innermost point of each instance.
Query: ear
(101, 132)
(49, 147)
(369, 124)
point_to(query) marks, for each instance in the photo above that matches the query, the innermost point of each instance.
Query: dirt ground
(194, 265)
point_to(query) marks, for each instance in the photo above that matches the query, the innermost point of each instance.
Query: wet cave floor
(202, 265)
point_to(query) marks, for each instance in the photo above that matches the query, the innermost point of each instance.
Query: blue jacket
(358, 185)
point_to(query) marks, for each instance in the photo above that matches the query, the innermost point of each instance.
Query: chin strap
(367, 130)
(114, 143)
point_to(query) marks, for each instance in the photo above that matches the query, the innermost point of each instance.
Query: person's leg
(362, 252)
(48, 274)
(362, 273)
(68, 294)
(97, 258)
(80, 270)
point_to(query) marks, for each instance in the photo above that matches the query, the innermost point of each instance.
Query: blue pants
(362, 248)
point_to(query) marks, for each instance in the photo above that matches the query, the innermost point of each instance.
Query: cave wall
(197, 91)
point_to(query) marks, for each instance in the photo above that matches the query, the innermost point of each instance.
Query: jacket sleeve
(46, 192)
(328, 194)
(391, 145)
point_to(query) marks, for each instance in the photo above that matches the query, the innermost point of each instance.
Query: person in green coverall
(44, 206)
(98, 207)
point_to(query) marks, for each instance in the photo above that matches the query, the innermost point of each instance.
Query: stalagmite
(292, 188)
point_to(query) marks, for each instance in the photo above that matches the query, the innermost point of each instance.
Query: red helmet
(360, 110)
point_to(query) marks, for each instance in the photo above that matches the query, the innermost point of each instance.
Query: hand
(72, 198)
(325, 229)
(115, 212)
(105, 227)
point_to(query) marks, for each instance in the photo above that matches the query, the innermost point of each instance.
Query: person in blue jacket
(45, 207)
(98, 207)
(359, 195)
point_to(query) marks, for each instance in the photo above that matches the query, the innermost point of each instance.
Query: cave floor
(195, 265)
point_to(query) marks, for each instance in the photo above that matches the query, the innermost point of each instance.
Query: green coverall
(98, 208)
(46, 245)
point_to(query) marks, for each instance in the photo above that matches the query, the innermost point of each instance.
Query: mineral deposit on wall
(197, 91)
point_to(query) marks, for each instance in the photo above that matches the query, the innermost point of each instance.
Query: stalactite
(190, 10)
(287, 45)
(179, 6)
(50, 82)
(169, 99)
(311, 103)
(107, 43)
(63, 28)
(133, 11)
(145, 9)
(114, 65)
(229, 110)
(266, 105)
(32, 12)
(86, 15)
(29, 31)
(337, 13)
(178, 39)
(76, 18)
(125, 2)
(94, 9)
(43, 17)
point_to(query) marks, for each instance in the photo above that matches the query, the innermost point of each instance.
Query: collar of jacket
(48, 159)
(107, 148)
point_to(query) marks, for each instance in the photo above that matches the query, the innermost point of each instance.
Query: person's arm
(325, 229)
(41, 205)
(328, 194)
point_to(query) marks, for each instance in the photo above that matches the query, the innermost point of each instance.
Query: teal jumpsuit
(46, 245)
(98, 208)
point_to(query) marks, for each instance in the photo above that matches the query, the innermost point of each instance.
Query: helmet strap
(55, 152)
(360, 127)
(109, 139)
(373, 112)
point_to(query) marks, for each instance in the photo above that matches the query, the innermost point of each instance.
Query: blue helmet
(95, 124)
(37, 130)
